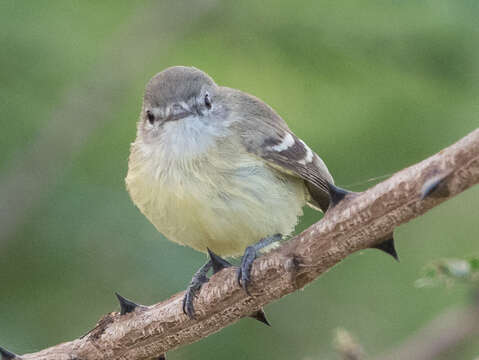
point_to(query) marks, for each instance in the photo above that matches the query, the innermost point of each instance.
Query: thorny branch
(358, 222)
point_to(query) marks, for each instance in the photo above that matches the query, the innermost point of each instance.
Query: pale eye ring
(208, 101)
(150, 116)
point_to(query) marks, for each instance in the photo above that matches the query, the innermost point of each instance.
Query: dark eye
(207, 101)
(150, 116)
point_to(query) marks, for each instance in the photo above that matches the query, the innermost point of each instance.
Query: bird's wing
(265, 134)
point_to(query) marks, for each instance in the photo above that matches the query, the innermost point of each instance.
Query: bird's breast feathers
(221, 197)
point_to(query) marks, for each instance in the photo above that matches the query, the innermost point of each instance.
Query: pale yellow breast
(210, 202)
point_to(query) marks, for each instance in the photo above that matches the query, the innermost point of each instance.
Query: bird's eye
(150, 116)
(207, 101)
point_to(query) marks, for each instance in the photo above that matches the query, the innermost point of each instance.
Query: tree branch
(358, 222)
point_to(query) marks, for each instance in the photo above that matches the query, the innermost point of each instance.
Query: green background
(371, 86)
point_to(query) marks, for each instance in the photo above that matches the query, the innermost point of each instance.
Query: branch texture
(359, 221)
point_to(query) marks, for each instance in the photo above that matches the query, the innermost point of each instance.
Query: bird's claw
(191, 294)
(217, 263)
(244, 271)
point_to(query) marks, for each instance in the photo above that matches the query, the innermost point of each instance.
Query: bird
(217, 169)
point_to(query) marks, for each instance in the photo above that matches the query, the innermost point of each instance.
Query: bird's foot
(192, 290)
(217, 263)
(244, 270)
(249, 256)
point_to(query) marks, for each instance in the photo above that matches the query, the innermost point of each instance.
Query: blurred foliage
(450, 272)
(347, 346)
(372, 86)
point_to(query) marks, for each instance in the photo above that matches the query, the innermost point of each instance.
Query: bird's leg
(250, 254)
(196, 282)
(215, 262)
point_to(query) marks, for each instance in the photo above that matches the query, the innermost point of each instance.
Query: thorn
(260, 316)
(217, 262)
(432, 185)
(126, 306)
(388, 247)
(336, 194)
(7, 355)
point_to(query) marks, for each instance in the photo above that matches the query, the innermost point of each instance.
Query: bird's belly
(235, 209)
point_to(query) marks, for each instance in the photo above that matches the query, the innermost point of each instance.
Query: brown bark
(358, 222)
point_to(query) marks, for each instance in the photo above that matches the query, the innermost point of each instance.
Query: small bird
(219, 170)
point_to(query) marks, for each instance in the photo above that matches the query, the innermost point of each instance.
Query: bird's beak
(178, 112)
(178, 116)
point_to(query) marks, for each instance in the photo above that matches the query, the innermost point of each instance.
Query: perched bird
(217, 169)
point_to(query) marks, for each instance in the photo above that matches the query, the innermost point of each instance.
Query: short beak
(181, 115)
(178, 114)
